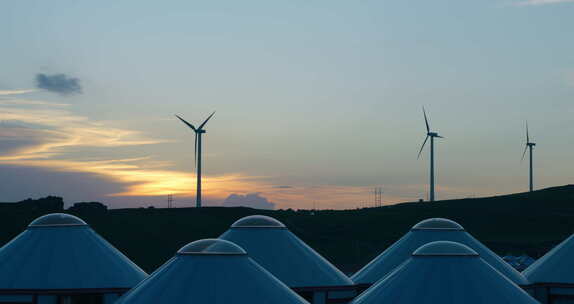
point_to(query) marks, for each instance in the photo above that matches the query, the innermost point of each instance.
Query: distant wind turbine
(197, 156)
(529, 146)
(432, 135)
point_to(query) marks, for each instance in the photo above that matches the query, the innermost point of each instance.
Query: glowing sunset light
(317, 105)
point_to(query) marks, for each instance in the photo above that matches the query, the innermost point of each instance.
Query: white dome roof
(61, 252)
(430, 230)
(211, 247)
(448, 273)
(444, 248)
(282, 253)
(211, 271)
(555, 266)
(257, 221)
(437, 224)
(56, 220)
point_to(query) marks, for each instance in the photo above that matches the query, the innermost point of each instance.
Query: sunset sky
(317, 102)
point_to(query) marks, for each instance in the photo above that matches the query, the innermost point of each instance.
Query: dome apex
(437, 224)
(57, 220)
(211, 247)
(257, 221)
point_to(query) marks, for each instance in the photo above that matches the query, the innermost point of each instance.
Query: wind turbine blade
(195, 152)
(187, 123)
(524, 153)
(421, 150)
(439, 136)
(203, 124)
(527, 136)
(426, 120)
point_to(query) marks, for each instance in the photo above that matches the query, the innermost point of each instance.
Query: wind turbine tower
(197, 157)
(432, 136)
(529, 146)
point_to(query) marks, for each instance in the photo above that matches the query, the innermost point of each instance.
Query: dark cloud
(58, 83)
(252, 200)
(12, 146)
(15, 136)
(283, 187)
(20, 182)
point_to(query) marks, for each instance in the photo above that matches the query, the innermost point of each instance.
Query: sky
(318, 102)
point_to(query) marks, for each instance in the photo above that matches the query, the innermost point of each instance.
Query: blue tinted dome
(437, 224)
(257, 221)
(57, 220)
(444, 248)
(211, 247)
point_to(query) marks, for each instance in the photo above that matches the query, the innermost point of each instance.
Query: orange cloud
(49, 132)
(140, 181)
(60, 131)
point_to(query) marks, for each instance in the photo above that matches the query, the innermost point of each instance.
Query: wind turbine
(529, 146)
(432, 135)
(197, 156)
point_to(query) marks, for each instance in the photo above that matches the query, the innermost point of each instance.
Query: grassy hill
(529, 223)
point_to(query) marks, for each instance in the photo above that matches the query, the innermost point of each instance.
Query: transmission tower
(378, 196)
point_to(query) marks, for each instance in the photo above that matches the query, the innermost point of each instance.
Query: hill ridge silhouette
(527, 222)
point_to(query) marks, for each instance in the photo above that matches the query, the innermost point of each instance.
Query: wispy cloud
(15, 92)
(540, 2)
(40, 134)
(30, 102)
(43, 134)
(61, 129)
(138, 180)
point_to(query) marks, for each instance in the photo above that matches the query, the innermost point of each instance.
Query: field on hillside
(520, 223)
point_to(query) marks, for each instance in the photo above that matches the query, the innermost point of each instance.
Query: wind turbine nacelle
(532, 144)
(432, 134)
(201, 131)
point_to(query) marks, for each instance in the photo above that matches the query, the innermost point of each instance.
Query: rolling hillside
(519, 223)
